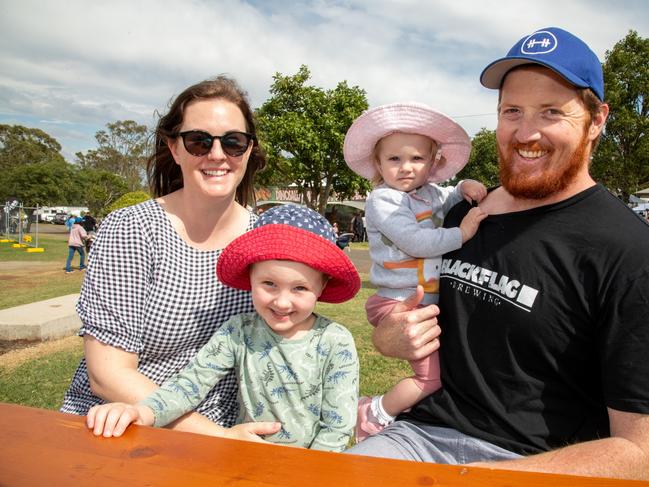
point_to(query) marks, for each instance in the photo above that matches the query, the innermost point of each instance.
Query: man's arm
(408, 332)
(624, 455)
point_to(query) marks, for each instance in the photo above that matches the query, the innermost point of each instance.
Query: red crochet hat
(296, 233)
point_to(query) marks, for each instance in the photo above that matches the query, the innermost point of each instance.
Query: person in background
(69, 223)
(544, 310)
(357, 227)
(296, 369)
(76, 243)
(150, 298)
(90, 226)
(89, 223)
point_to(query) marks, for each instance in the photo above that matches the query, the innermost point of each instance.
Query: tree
(102, 189)
(483, 162)
(33, 170)
(23, 145)
(42, 184)
(622, 160)
(302, 129)
(122, 150)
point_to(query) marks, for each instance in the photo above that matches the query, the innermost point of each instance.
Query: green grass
(378, 373)
(56, 249)
(359, 245)
(41, 382)
(29, 282)
(39, 288)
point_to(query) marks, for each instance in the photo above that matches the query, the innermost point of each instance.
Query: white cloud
(91, 63)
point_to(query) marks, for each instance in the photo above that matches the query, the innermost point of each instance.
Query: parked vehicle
(60, 218)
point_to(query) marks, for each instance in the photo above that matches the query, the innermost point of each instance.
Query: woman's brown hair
(164, 174)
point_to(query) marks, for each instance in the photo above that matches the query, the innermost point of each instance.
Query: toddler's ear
(439, 155)
(325, 281)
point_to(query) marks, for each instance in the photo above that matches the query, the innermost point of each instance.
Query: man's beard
(552, 179)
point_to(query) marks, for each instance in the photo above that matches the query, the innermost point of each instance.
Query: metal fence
(15, 224)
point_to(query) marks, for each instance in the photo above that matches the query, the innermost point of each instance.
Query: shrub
(128, 199)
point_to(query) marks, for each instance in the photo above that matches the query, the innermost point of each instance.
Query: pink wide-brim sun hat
(409, 118)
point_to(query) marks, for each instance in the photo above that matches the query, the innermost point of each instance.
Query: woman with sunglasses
(151, 299)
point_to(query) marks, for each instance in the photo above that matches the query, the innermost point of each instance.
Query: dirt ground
(21, 276)
(30, 350)
(16, 266)
(50, 228)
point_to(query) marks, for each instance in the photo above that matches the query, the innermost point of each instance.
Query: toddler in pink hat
(405, 149)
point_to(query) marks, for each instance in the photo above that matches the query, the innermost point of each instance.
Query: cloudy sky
(70, 67)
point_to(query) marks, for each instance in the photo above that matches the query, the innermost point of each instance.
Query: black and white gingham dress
(146, 291)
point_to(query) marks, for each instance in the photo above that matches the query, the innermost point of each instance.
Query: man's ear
(598, 122)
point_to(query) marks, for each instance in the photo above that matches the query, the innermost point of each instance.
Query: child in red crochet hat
(297, 371)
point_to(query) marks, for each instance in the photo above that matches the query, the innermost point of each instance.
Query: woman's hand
(113, 418)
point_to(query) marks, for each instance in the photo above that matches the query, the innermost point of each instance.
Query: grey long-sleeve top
(406, 239)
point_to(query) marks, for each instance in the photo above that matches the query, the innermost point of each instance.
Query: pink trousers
(427, 372)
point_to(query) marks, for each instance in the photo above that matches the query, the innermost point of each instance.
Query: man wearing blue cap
(544, 311)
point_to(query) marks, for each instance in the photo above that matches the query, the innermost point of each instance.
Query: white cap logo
(541, 42)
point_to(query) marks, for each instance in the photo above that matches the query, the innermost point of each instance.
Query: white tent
(643, 193)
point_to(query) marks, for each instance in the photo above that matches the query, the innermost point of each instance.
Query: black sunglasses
(199, 143)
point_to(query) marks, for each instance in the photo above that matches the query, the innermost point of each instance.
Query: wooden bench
(47, 448)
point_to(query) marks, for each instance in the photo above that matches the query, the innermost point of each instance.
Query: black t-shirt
(89, 224)
(545, 323)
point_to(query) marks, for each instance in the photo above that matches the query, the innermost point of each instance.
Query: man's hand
(408, 332)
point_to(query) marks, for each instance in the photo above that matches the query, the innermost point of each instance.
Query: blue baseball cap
(555, 49)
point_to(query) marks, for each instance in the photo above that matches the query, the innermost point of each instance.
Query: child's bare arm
(113, 418)
(471, 222)
(473, 190)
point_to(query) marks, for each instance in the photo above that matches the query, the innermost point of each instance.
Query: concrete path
(43, 320)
